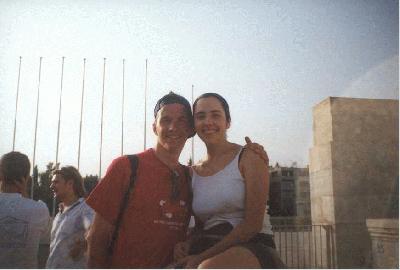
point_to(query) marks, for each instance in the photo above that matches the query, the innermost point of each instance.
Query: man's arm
(99, 238)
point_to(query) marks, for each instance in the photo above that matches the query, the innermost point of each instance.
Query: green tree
(35, 176)
(190, 162)
(90, 181)
(42, 183)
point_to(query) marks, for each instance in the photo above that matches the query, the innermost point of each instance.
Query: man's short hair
(14, 167)
(70, 173)
(172, 98)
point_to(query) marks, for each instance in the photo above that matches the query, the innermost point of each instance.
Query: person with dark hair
(70, 225)
(23, 222)
(139, 227)
(158, 210)
(230, 191)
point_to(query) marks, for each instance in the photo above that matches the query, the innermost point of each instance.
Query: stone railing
(385, 242)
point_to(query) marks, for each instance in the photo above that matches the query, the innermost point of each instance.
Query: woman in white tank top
(230, 189)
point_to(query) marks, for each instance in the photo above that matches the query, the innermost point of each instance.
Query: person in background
(70, 225)
(23, 222)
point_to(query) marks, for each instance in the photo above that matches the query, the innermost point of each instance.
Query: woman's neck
(216, 150)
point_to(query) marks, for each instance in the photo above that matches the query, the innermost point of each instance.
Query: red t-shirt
(152, 223)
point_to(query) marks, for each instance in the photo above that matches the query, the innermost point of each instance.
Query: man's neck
(171, 159)
(70, 200)
(13, 188)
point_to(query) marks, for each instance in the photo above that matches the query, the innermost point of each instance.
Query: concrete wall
(353, 171)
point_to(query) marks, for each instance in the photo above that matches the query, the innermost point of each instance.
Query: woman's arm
(255, 173)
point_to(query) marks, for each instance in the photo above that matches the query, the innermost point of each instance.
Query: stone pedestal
(354, 165)
(385, 242)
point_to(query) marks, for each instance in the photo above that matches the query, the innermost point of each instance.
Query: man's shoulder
(36, 210)
(125, 158)
(40, 205)
(42, 208)
(86, 207)
(145, 158)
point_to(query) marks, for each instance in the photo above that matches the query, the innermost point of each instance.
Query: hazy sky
(272, 60)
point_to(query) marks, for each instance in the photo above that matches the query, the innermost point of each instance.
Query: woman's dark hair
(223, 102)
(14, 166)
(70, 173)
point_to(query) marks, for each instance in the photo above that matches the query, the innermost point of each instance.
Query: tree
(35, 176)
(41, 185)
(190, 162)
(90, 181)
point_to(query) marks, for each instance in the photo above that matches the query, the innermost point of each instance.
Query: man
(157, 216)
(23, 222)
(158, 210)
(68, 244)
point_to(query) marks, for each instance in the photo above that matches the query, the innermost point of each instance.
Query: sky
(273, 61)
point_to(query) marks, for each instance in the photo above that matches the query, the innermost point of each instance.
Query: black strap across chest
(134, 160)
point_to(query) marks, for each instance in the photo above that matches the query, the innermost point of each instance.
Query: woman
(230, 190)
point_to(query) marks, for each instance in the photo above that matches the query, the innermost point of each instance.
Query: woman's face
(210, 120)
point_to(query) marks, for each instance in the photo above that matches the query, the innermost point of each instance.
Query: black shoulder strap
(189, 183)
(133, 159)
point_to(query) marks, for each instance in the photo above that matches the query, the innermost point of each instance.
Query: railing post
(329, 246)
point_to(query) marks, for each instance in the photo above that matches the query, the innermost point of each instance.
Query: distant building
(302, 186)
(289, 194)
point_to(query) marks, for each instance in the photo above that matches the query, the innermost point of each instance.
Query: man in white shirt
(68, 244)
(23, 222)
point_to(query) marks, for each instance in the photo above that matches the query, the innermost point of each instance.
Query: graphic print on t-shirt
(172, 213)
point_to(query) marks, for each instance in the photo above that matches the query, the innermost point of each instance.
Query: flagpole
(58, 127)
(16, 103)
(145, 107)
(59, 109)
(193, 136)
(102, 113)
(36, 122)
(80, 124)
(123, 106)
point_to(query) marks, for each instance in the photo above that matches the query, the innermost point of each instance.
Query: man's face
(60, 187)
(172, 127)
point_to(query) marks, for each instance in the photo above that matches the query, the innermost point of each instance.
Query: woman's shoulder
(198, 167)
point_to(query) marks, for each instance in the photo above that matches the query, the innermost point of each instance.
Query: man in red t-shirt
(158, 211)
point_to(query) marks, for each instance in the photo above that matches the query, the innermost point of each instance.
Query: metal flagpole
(80, 124)
(58, 127)
(193, 136)
(36, 124)
(145, 107)
(16, 103)
(102, 113)
(59, 109)
(123, 106)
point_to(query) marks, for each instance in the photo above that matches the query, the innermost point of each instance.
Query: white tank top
(220, 197)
